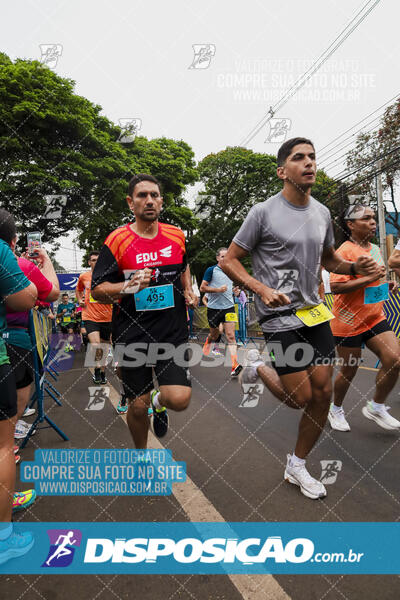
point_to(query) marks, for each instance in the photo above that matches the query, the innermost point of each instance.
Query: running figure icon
(62, 549)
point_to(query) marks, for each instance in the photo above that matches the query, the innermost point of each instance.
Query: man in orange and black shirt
(96, 318)
(144, 266)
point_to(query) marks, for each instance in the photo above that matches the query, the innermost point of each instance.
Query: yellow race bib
(231, 317)
(314, 315)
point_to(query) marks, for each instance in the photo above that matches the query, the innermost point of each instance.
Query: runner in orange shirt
(96, 318)
(360, 319)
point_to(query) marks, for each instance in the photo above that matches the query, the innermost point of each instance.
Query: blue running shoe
(122, 407)
(22, 500)
(16, 545)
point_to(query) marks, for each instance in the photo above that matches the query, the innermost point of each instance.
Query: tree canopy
(234, 180)
(54, 142)
(382, 143)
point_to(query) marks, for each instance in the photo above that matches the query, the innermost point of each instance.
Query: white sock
(6, 530)
(296, 461)
(376, 406)
(335, 408)
(156, 403)
(253, 371)
(257, 363)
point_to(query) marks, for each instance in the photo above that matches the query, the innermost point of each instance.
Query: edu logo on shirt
(63, 543)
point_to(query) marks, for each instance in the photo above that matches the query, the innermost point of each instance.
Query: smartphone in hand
(34, 240)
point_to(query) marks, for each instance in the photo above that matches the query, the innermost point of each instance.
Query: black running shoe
(159, 420)
(97, 377)
(235, 371)
(103, 378)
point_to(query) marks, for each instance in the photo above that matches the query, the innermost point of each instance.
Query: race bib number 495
(157, 297)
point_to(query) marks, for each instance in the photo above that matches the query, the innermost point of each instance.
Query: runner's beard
(148, 217)
(305, 187)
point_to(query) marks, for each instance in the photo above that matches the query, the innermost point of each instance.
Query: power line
(355, 184)
(384, 168)
(337, 42)
(327, 163)
(321, 150)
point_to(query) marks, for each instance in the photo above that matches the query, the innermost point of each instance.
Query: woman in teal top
(18, 293)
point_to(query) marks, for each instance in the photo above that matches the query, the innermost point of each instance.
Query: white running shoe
(249, 373)
(338, 420)
(380, 416)
(216, 352)
(298, 474)
(24, 425)
(28, 412)
(20, 432)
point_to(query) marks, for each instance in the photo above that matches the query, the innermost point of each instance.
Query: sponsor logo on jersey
(153, 256)
(166, 252)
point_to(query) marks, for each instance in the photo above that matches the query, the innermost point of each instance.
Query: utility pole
(381, 213)
(75, 257)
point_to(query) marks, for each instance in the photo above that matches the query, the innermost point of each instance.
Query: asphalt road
(235, 456)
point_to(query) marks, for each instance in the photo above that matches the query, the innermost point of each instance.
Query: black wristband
(353, 269)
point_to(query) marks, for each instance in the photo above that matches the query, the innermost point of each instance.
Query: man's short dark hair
(220, 250)
(8, 229)
(141, 177)
(94, 253)
(287, 147)
(63, 295)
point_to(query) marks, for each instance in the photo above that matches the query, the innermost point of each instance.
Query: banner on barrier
(68, 281)
(42, 329)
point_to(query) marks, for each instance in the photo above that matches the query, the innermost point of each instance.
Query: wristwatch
(353, 269)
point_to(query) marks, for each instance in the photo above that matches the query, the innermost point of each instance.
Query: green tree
(234, 179)
(52, 142)
(172, 163)
(383, 143)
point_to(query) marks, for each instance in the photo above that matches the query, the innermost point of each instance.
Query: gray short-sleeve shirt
(286, 243)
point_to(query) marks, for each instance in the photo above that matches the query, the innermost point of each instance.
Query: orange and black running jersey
(125, 252)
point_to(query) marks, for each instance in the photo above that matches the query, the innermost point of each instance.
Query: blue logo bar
(209, 548)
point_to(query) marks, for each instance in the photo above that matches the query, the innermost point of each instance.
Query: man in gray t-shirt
(286, 243)
(289, 237)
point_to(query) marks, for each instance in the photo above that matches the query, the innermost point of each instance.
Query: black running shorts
(139, 380)
(8, 393)
(356, 341)
(296, 350)
(104, 328)
(21, 361)
(216, 316)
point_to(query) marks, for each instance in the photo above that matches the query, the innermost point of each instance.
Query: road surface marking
(199, 509)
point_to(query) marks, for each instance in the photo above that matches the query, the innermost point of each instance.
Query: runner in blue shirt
(220, 309)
